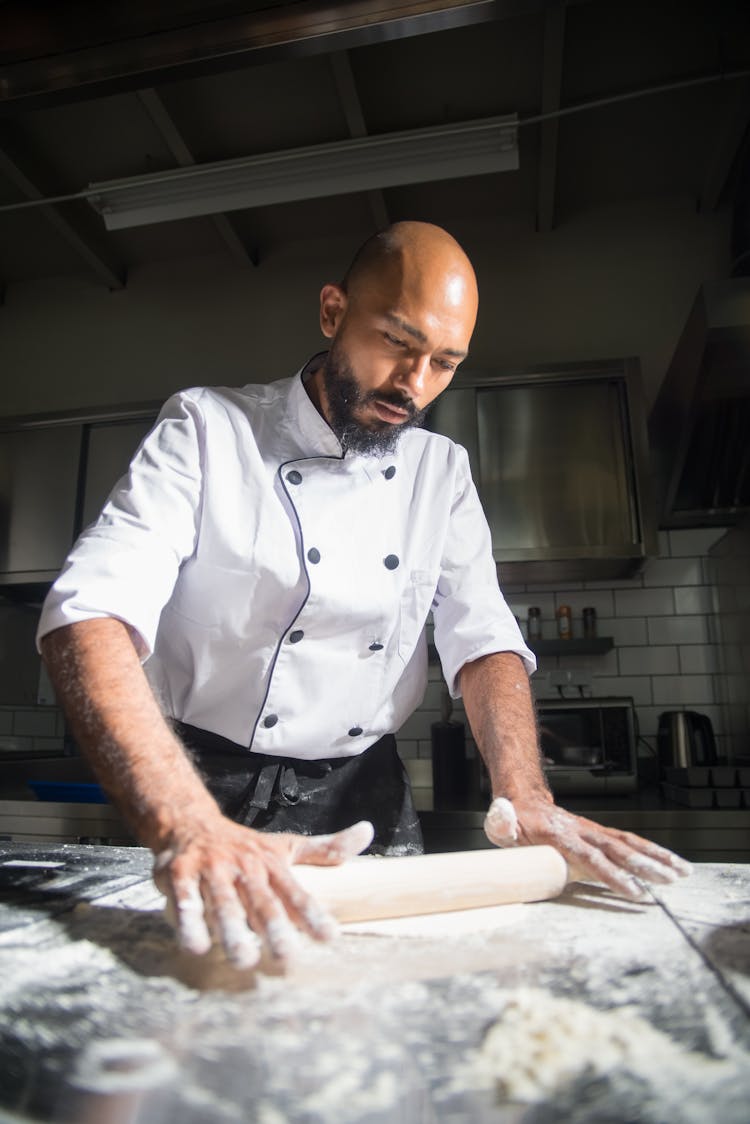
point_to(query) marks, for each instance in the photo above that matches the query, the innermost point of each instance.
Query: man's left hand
(619, 859)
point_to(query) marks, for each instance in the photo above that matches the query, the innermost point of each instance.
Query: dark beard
(344, 399)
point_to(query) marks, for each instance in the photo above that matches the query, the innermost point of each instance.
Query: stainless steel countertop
(104, 1020)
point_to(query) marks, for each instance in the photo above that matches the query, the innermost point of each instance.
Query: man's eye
(445, 365)
(394, 340)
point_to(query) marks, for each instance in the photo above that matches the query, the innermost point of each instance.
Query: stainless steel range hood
(559, 458)
(699, 427)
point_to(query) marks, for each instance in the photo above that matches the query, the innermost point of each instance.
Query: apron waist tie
(310, 797)
(271, 776)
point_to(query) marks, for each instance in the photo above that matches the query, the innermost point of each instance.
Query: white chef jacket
(277, 589)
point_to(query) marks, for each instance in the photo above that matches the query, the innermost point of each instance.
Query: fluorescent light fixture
(469, 148)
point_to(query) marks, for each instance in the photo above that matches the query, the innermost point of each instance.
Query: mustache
(393, 398)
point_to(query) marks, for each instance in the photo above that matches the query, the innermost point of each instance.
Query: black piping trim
(272, 668)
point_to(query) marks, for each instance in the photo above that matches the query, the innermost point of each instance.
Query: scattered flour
(370, 1029)
(541, 1044)
(120, 1065)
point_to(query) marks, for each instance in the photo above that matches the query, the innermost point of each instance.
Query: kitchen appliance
(588, 745)
(451, 769)
(685, 738)
(699, 421)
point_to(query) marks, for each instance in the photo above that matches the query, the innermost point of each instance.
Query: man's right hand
(222, 881)
(234, 885)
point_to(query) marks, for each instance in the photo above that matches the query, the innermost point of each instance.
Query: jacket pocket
(215, 596)
(416, 602)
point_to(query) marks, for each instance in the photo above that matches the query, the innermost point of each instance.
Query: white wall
(665, 654)
(611, 282)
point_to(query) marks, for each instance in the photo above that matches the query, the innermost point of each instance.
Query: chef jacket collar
(314, 435)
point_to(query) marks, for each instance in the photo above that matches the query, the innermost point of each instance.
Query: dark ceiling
(639, 99)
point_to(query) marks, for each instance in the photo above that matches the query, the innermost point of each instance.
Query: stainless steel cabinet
(39, 469)
(558, 457)
(55, 475)
(109, 449)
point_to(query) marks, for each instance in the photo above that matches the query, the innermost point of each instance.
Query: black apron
(271, 793)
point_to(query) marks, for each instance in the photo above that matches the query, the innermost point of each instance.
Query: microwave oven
(588, 745)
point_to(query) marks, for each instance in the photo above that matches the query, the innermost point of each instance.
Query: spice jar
(534, 624)
(589, 623)
(564, 625)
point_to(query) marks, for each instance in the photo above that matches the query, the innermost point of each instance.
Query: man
(273, 555)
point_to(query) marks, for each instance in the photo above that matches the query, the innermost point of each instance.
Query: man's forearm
(115, 719)
(203, 859)
(499, 707)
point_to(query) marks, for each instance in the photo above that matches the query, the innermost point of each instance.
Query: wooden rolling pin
(370, 888)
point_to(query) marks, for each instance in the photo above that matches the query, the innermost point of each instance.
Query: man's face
(354, 414)
(395, 347)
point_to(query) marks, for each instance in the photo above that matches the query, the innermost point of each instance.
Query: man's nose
(412, 374)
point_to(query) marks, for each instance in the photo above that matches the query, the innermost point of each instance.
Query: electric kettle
(685, 738)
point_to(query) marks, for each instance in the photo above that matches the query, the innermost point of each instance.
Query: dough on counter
(456, 923)
(542, 1043)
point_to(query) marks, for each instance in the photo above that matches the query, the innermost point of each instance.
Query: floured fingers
(267, 917)
(649, 861)
(228, 922)
(308, 914)
(186, 912)
(595, 861)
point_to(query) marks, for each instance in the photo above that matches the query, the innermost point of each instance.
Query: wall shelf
(577, 647)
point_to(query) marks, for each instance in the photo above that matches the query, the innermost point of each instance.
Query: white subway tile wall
(695, 599)
(695, 543)
(690, 691)
(31, 728)
(677, 630)
(639, 602)
(698, 659)
(673, 572)
(36, 722)
(651, 661)
(663, 657)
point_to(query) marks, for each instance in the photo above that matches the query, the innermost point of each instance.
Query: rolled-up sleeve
(471, 616)
(126, 563)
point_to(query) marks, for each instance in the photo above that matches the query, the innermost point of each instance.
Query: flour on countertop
(374, 1029)
(119, 1065)
(541, 1044)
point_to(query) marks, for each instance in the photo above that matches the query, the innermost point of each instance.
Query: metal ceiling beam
(733, 124)
(175, 142)
(103, 265)
(552, 68)
(355, 119)
(308, 27)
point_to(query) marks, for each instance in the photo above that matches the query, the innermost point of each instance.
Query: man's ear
(332, 309)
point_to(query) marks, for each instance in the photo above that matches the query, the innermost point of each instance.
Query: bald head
(399, 324)
(419, 258)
